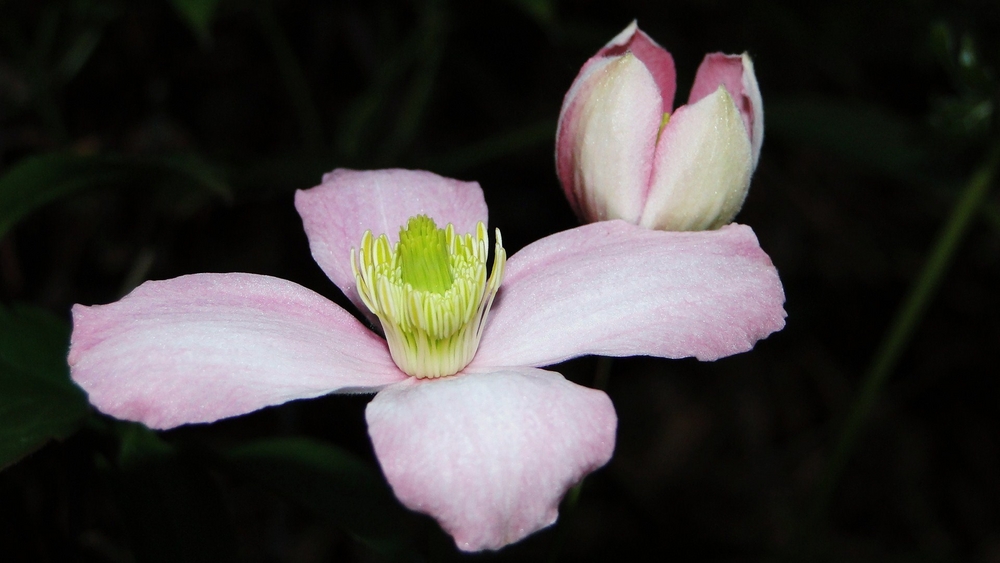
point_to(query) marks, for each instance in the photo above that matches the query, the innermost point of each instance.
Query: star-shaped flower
(489, 449)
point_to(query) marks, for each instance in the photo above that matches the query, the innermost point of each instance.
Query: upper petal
(208, 346)
(656, 58)
(735, 72)
(349, 202)
(490, 454)
(615, 289)
(607, 137)
(702, 168)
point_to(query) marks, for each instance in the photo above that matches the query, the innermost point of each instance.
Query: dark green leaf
(172, 507)
(331, 482)
(198, 14)
(964, 116)
(81, 30)
(863, 134)
(78, 54)
(506, 144)
(542, 11)
(38, 402)
(140, 445)
(38, 180)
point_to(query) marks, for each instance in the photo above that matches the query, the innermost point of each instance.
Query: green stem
(294, 78)
(906, 320)
(602, 373)
(569, 506)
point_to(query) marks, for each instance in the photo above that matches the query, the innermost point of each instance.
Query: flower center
(424, 259)
(430, 292)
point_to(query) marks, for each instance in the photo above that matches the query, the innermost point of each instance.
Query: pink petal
(656, 58)
(616, 289)
(208, 346)
(349, 202)
(607, 137)
(569, 129)
(490, 454)
(702, 167)
(736, 73)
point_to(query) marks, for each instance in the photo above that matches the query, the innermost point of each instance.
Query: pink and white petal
(619, 42)
(203, 347)
(702, 168)
(736, 73)
(752, 91)
(656, 58)
(568, 129)
(349, 202)
(607, 138)
(490, 454)
(616, 289)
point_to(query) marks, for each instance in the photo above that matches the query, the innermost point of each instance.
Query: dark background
(152, 138)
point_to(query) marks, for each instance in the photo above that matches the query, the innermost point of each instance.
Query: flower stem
(569, 506)
(602, 373)
(905, 322)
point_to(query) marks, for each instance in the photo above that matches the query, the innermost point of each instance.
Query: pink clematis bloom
(489, 451)
(623, 152)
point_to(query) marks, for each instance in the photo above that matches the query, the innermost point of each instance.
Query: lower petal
(208, 346)
(490, 454)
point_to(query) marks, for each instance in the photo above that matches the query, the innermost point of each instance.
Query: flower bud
(623, 152)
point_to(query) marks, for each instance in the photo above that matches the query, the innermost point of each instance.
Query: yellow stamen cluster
(430, 292)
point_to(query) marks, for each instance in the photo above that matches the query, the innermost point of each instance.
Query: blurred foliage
(172, 508)
(333, 483)
(154, 138)
(38, 180)
(37, 400)
(199, 15)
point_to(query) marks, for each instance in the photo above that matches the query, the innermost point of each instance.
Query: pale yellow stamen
(432, 295)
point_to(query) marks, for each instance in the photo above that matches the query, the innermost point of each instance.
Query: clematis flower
(487, 444)
(623, 152)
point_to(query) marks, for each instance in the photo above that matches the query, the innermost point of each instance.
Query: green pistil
(663, 124)
(423, 255)
(430, 293)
